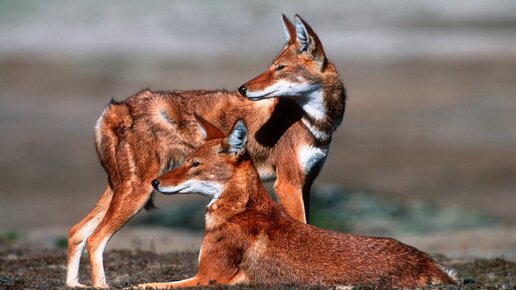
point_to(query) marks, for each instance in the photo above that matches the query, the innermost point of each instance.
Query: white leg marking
(72, 273)
(97, 255)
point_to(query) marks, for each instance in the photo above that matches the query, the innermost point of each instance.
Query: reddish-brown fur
(153, 131)
(250, 239)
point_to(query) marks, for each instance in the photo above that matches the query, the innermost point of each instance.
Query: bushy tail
(109, 131)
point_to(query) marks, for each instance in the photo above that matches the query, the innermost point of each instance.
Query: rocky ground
(29, 269)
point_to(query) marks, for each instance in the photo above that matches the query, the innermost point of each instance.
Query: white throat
(313, 104)
(314, 107)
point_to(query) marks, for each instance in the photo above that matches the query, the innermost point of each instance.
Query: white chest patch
(309, 156)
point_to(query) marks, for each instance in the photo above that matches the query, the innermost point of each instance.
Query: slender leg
(190, 282)
(306, 203)
(309, 180)
(289, 186)
(126, 202)
(78, 234)
(216, 264)
(293, 185)
(291, 198)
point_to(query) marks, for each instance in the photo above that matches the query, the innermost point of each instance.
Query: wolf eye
(195, 163)
(280, 67)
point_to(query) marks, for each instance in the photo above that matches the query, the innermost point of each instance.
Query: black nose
(242, 90)
(155, 184)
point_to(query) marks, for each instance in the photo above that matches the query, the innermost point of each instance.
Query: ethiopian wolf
(291, 111)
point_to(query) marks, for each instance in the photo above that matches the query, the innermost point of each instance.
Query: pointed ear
(308, 42)
(236, 140)
(208, 130)
(288, 29)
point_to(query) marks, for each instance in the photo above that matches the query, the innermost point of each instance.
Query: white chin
(173, 190)
(260, 96)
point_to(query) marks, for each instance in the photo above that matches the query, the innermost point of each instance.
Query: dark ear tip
(298, 18)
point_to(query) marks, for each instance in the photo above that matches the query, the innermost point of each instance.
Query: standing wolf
(151, 132)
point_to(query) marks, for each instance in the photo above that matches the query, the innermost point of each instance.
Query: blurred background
(426, 152)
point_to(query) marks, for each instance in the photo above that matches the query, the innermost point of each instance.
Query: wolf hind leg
(78, 234)
(127, 201)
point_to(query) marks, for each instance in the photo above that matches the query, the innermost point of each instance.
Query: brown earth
(28, 269)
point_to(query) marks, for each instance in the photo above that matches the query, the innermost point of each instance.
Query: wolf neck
(246, 188)
(324, 108)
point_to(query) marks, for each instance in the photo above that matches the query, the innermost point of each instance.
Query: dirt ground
(28, 269)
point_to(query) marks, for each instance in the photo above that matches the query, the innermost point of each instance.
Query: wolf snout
(242, 90)
(155, 184)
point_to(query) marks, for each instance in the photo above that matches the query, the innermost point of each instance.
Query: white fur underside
(314, 104)
(310, 156)
(308, 96)
(279, 88)
(209, 188)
